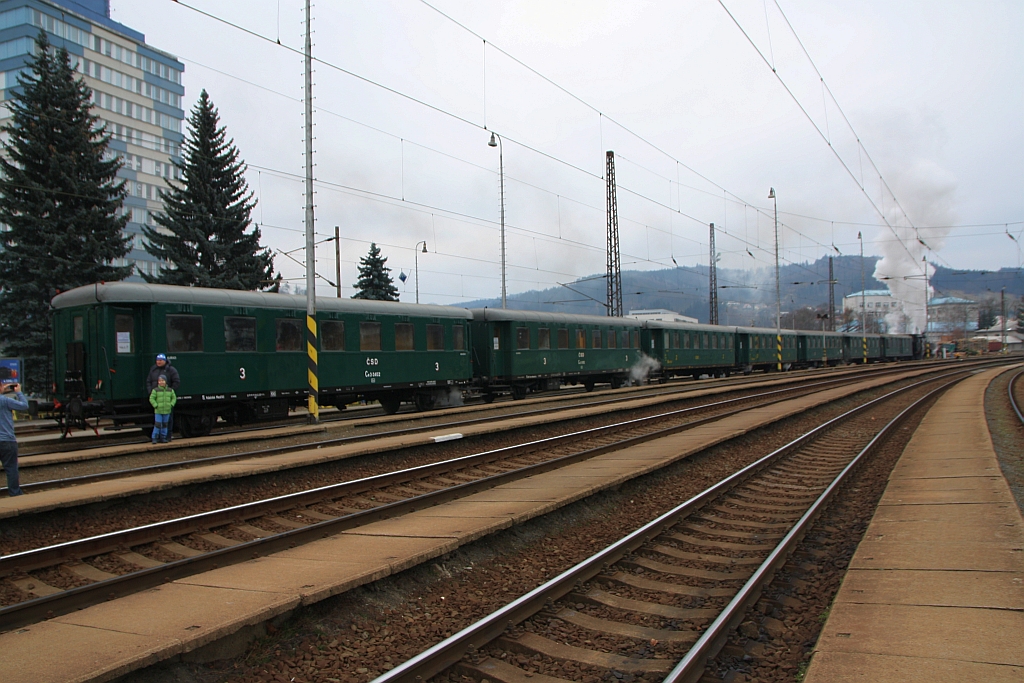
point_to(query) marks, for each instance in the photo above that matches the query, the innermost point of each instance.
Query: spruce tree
(375, 278)
(61, 202)
(208, 215)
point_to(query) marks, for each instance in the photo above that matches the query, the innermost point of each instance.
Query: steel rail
(339, 441)
(1013, 399)
(472, 638)
(31, 611)
(691, 666)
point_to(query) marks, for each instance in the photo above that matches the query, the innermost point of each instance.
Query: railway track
(110, 470)
(131, 436)
(59, 578)
(1015, 389)
(660, 602)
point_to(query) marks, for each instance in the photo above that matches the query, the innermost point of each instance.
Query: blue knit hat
(161, 356)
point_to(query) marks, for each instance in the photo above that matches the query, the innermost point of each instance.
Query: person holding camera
(11, 399)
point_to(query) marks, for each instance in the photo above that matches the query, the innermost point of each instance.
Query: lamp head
(424, 247)
(493, 142)
(771, 193)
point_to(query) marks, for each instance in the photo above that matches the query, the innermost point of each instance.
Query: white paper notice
(124, 342)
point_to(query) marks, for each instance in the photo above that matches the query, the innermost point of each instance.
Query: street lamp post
(416, 253)
(778, 290)
(496, 142)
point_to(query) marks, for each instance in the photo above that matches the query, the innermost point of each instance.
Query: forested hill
(685, 289)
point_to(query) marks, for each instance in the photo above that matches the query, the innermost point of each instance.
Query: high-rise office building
(137, 93)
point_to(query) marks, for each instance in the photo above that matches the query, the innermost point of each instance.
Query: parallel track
(693, 572)
(127, 561)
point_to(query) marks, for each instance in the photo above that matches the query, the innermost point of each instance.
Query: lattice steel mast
(831, 297)
(713, 278)
(614, 271)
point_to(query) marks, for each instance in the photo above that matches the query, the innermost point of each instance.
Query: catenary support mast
(713, 278)
(311, 343)
(614, 273)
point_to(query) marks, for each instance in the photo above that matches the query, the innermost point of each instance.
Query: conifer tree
(61, 201)
(375, 278)
(208, 215)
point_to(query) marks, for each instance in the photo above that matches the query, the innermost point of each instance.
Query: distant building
(137, 93)
(1000, 333)
(874, 300)
(660, 314)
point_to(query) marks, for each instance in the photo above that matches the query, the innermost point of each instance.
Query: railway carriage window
(496, 338)
(563, 339)
(369, 336)
(522, 338)
(404, 337)
(289, 334)
(458, 337)
(543, 338)
(668, 344)
(124, 333)
(686, 340)
(714, 341)
(435, 338)
(636, 340)
(611, 339)
(184, 333)
(624, 339)
(730, 341)
(78, 327)
(581, 339)
(675, 340)
(332, 335)
(595, 337)
(239, 334)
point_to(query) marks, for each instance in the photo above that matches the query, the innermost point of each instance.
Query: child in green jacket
(162, 399)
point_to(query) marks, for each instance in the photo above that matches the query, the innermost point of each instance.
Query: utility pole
(614, 275)
(863, 302)
(927, 296)
(337, 258)
(831, 297)
(311, 343)
(1002, 324)
(713, 277)
(778, 290)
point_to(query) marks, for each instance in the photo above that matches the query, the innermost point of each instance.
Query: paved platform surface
(935, 591)
(111, 639)
(85, 494)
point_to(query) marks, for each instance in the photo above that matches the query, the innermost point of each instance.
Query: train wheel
(390, 404)
(518, 392)
(424, 402)
(489, 397)
(617, 382)
(197, 425)
(588, 384)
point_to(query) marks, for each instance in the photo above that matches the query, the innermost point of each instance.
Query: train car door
(123, 353)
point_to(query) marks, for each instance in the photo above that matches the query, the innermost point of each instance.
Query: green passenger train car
(690, 348)
(854, 345)
(242, 355)
(522, 351)
(818, 349)
(898, 347)
(756, 349)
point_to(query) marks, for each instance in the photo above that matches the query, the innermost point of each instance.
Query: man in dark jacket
(162, 367)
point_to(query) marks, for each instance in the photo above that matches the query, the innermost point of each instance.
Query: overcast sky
(934, 90)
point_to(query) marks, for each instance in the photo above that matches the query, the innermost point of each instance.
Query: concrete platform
(108, 640)
(935, 591)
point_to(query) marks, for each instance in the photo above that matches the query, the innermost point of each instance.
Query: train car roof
(676, 325)
(141, 292)
(762, 330)
(508, 315)
(818, 333)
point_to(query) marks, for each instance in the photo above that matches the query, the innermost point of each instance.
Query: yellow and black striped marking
(314, 385)
(865, 344)
(778, 351)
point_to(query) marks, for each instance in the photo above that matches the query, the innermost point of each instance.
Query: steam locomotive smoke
(642, 369)
(450, 399)
(926, 191)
